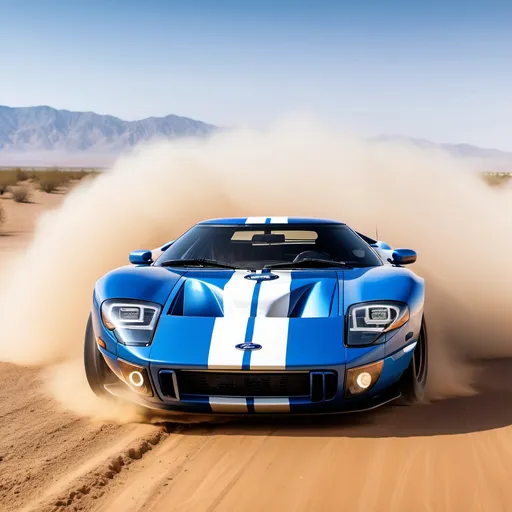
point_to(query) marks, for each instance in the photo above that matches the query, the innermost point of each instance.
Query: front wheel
(96, 369)
(414, 379)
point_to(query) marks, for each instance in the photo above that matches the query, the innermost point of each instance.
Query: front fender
(384, 283)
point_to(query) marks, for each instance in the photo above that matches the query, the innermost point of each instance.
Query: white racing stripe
(237, 295)
(272, 335)
(274, 296)
(256, 220)
(271, 405)
(223, 404)
(227, 333)
(271, 324)
(278, 220)
(229, 330)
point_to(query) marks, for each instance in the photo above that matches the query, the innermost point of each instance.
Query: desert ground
(449, 455)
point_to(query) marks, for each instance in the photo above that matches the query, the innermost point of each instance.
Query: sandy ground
(453, 455)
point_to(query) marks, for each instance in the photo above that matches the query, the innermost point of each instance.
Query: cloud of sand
(418, 198)
(66, 381)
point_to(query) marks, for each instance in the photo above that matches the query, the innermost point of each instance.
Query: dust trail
(421, 199)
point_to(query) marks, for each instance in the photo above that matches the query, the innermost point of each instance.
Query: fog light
(136, 377)
(363, 378)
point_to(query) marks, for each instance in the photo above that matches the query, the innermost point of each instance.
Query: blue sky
(440, 70)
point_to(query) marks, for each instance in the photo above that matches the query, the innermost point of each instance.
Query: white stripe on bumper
(271, 405)
(223, 404)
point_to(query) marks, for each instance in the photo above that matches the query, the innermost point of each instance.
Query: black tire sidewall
(411, 389)
(95, 366)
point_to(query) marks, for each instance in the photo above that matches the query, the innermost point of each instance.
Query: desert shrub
(20, 194)
(2, 215)
(497, 179)
(50, 181)
(78, 175)
(48, 186)
(7, 179)
(21, 175)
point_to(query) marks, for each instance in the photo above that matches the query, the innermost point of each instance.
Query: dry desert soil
(452, 455)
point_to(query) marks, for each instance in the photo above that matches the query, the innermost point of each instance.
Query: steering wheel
(312, 254)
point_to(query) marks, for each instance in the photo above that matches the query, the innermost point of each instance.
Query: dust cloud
(417, 198)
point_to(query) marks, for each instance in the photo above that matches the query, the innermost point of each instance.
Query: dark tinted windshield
(254, 247)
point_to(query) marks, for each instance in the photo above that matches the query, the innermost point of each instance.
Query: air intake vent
(323, 386)
(168, 383)
(197, 298)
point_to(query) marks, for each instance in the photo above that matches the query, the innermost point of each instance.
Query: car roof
(237, 221)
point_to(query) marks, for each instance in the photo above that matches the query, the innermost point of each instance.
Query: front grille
(250, 384)
(318, 386)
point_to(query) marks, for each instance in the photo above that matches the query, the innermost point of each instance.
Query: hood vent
(197, 298)
(302, 298)
(312, 300)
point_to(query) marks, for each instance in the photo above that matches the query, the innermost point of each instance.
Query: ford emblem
(248, 346)
(266, 276)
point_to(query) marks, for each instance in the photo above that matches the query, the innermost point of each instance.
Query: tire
(414, 379)
(96, 369)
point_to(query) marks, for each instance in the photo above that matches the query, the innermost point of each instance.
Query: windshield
(253, 248)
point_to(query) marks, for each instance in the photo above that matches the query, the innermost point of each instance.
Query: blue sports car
(261, 315)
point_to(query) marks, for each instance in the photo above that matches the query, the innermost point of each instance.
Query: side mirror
(141, 257)
(403, 257)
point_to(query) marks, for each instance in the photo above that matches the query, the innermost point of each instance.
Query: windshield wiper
(197, 262)
(310, 263)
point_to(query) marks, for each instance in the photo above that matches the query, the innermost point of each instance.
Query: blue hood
(211, 312)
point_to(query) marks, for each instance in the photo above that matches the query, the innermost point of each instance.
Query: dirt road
(453, 455)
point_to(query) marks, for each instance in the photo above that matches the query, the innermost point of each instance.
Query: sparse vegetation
(50, 181)
(497, 179)
(21, 175)
(7, 179)
(46, 180)
(2, 215)
(20, 194)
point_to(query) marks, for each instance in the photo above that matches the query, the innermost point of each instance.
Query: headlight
(132, 321)
(368, 322)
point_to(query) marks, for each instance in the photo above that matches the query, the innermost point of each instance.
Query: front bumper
(335, 401)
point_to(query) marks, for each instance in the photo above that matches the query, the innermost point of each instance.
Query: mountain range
(38, 130)
(43, 135)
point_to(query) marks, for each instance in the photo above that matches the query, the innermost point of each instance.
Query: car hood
(290, 319)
